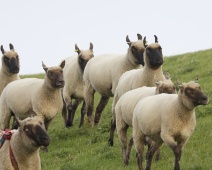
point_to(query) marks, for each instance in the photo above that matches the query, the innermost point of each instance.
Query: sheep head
(191, 95)
(32, 130)
(84, 56)
(136, 49)
(166, 86)
(10, 60)
(153, 56)
(55, 75)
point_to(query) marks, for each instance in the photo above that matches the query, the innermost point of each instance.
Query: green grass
(86, 148)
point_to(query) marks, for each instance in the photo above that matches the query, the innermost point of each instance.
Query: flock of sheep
(144, 98)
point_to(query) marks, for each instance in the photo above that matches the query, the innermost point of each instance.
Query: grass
(86, 148)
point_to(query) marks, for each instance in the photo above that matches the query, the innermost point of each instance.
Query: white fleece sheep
(125, 106)
(73, 89)
(102, 73)
(168, 118)
(43, 96)
(153, 59)
(24, 143)
(10, 67)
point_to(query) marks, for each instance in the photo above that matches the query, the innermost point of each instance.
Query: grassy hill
(86, 148)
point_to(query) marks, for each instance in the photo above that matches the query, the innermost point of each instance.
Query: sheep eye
(17, 57)
(41, 123)
(6, 58)
(26, 129)
(134, 49)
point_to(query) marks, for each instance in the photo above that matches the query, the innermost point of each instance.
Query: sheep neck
(26, 152)
(49, 90)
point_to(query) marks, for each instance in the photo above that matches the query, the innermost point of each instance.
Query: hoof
(68, 124)
(110, 142)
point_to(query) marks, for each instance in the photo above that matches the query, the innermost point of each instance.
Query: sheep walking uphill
(43, 96)
(168, 118)
(124, 111)
(102, 73)
(10, 67)
(20, 150)
(73, 89)
(153, 59)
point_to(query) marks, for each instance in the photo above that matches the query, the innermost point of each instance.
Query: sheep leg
(113, 123)
(139, 139)
(64, 112)
(129, 149)
(71, 113)
(89, 101)
(151, 152)
(122, 134)
(102, 103)
(83, 112)
(5, 119)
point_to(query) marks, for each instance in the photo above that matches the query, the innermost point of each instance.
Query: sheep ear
(62, 65)
(196, 79)
(77, 49)
(156, 39)
(91, 46)
(18, 121)
(157, 83)
(145, 42)
(139, 36)
(11, 46)
(167, 76)
(2, 49)
(44, 67)
(181, 88)
(128, 41)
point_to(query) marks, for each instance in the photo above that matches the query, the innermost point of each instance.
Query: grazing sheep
(102, 73)
(125, 106)
(43, 96)
(168, 118)
(153, 59)
(20, 150)
(73, 89)
(10, 67)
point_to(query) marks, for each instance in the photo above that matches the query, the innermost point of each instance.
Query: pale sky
(47, 30)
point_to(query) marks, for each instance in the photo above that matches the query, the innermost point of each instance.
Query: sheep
(43, 96)
(21, 147)
(10, 67)
(102, 73)
(153, 59)
(125, 106)
(168, 118)
(73, 89)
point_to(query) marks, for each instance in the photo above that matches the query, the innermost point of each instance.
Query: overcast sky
(47, 30)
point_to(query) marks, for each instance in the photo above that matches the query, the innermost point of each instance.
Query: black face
(82, 63)
(155, 57)
(56, 78)
(138, 54)
(196, 96)
(37, 134)
(12, 64)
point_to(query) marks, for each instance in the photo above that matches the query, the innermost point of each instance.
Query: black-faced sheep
(43, 96)
(153, 59)
(125, 106)
(73, 89)
(102, 73)
(21, 150)
(10, 67)
(168, 118)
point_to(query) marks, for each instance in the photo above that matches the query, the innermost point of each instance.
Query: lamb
(168, 118)
(10, 67)
(43, 96)
(125, 106)
(73, 89)
(21, 147)
(102, 73)
(153, 59)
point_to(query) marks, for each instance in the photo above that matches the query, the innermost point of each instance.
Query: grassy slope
(86, 148)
